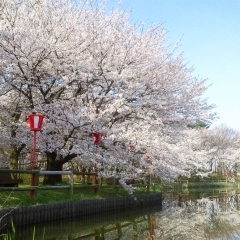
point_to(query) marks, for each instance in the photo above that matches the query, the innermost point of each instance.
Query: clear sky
(210, 33)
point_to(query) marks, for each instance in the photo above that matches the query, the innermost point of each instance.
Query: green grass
(212, 184)
(84, 191)
(22, 198)
(81, 191)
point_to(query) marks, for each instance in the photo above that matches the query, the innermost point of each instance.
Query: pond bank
(31, 215)
(213, 185)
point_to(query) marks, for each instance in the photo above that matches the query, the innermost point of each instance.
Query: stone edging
(48, 212)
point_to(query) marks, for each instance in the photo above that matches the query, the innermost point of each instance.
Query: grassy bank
(14, 198)
(209, 184)
(80, 191)
(22, 198)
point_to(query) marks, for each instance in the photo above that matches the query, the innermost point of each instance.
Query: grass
(22, 198)
(211, 184)
(81, 191)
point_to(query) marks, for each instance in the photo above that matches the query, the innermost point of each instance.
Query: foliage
(87, 71)
(199, 124)
(10, 235)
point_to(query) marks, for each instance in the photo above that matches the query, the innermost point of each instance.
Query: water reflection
(185, 215)
(213, 215)
(129, 224)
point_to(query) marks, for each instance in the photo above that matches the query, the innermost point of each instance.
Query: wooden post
(70, 237)
(70, 173)
(95, 181)
(88, 176)
(99, 184)
(116, 181)
(119, 229)
(97, 233)
(71, 183)
(117, 186)
(102, 231)
(148, 183)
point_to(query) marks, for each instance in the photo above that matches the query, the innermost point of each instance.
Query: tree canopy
(87, 71)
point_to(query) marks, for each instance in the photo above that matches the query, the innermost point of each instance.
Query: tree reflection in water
(186, 215)
(212, 217)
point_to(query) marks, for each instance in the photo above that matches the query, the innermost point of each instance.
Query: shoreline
(30, 215)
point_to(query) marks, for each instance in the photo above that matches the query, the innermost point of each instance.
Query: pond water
(202, 214)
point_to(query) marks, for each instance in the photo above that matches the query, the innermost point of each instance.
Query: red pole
(153, 225)
(33, 160)
(95, 176)
(97, 141)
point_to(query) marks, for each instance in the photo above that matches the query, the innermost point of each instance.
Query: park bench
(6, 180)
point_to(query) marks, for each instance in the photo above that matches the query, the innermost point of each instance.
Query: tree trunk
(13, 157)
(53, 165)
(82, 177)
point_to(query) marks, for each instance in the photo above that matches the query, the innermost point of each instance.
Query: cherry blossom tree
(13, 135)
(88, 71)
(222, 148)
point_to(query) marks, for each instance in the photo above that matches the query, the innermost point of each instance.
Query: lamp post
(35, 124)
(97, 141)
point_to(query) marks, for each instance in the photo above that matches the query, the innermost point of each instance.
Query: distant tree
(199, 124)
(221, 145)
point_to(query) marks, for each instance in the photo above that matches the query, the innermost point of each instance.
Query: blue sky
(210, 33)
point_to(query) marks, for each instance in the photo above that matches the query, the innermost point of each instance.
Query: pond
(201, 214)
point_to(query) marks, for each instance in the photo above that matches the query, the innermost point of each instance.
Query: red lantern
(35, 121)
(35, 124)
(97, 138)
